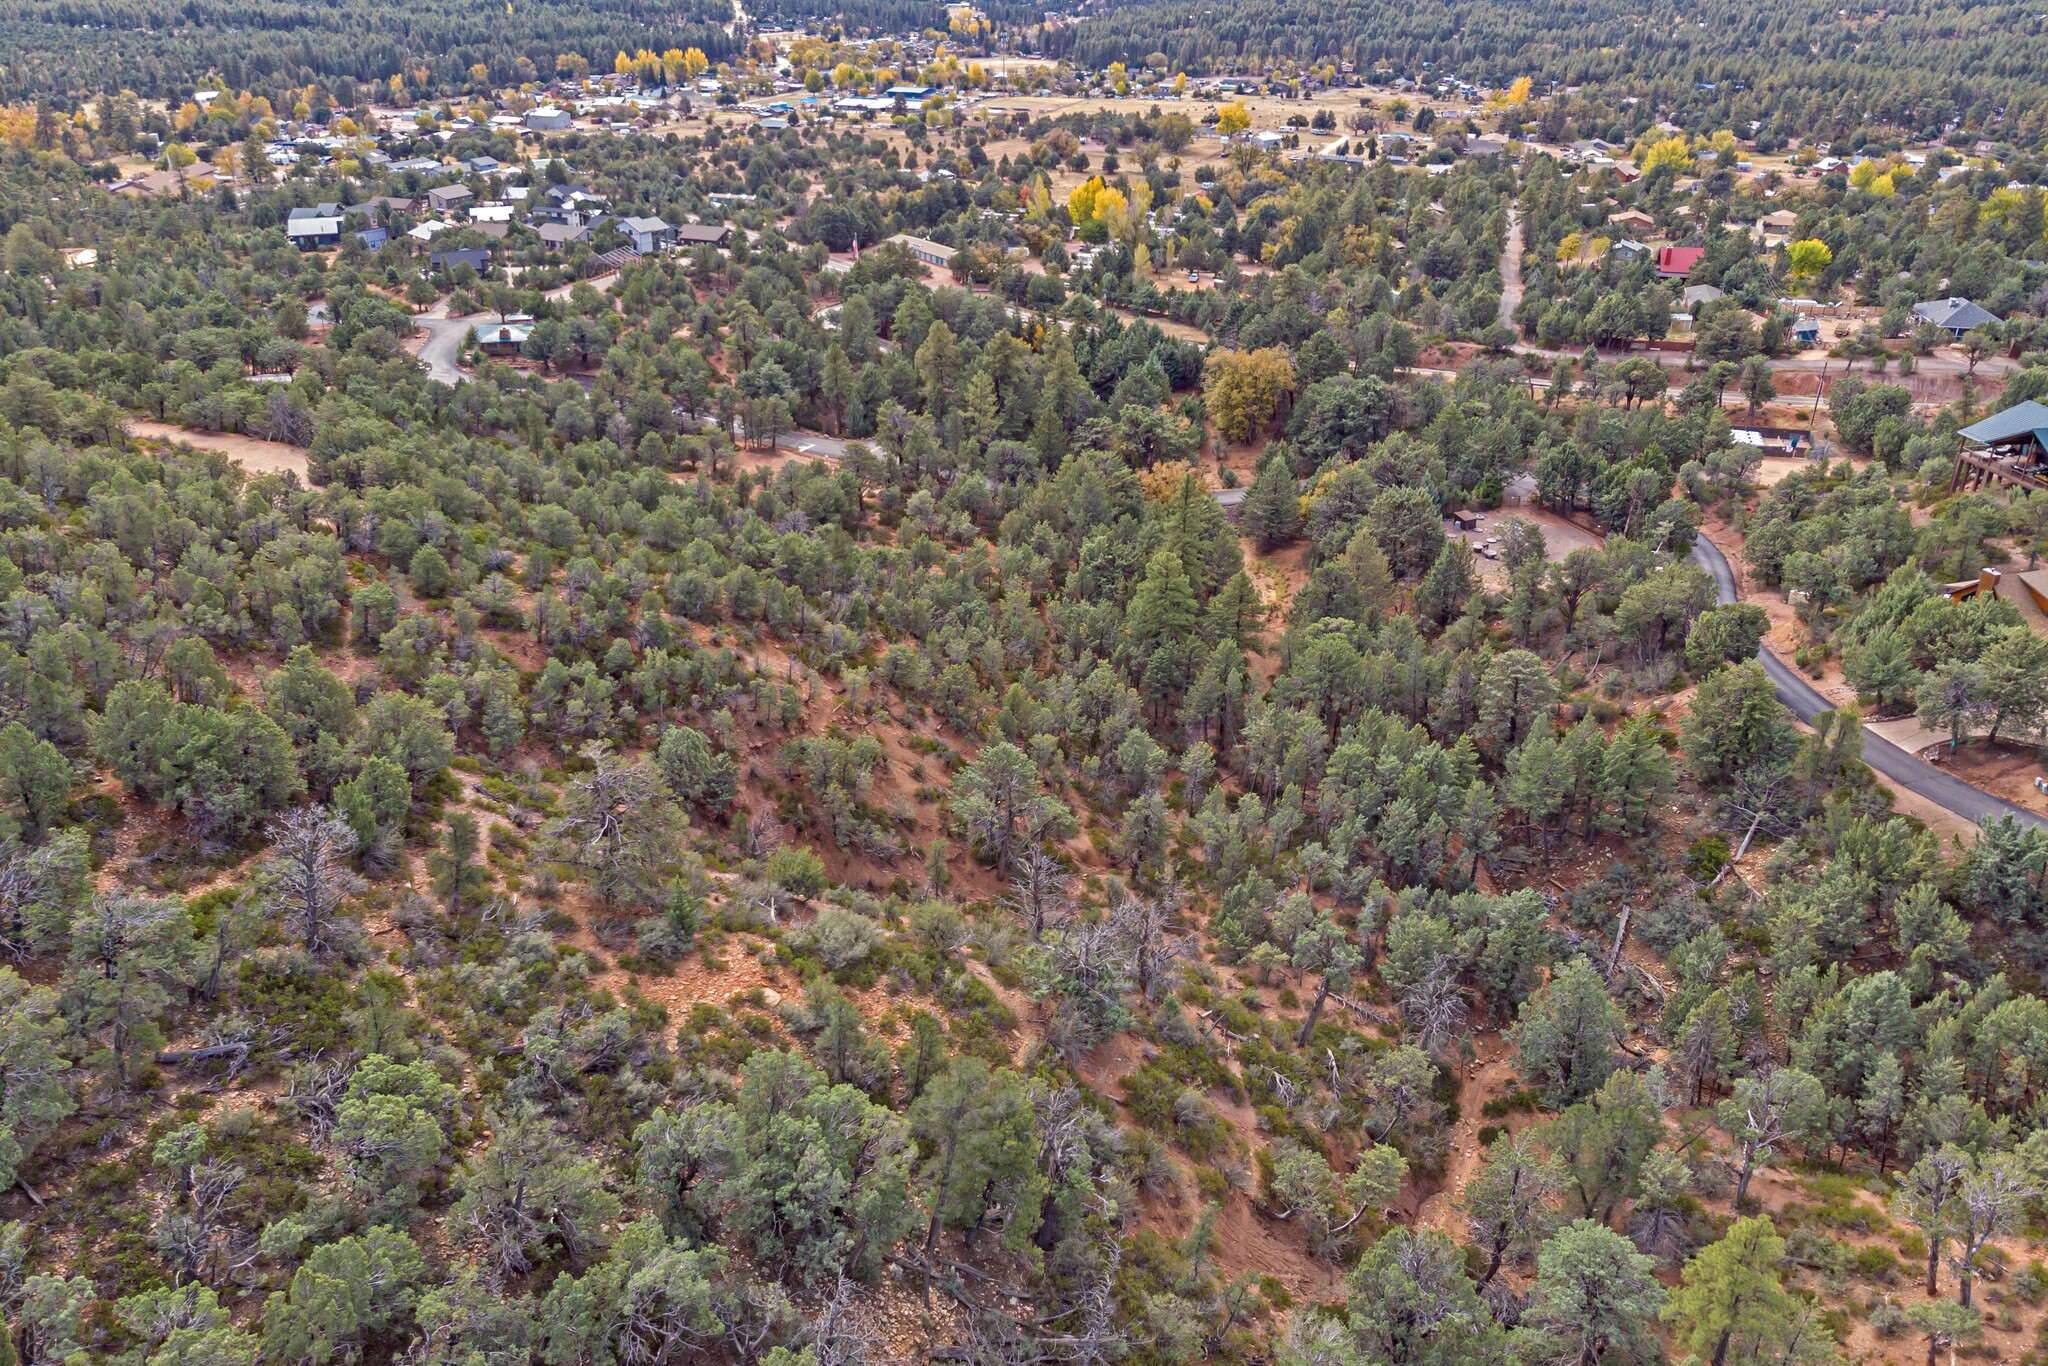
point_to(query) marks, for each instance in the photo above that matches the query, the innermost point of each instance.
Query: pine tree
(1441, 596)
(1732, 1288)
(1594, 1299)
(1566, 1034)
(1272, 508)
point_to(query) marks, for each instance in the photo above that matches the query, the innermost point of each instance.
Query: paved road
(442, 349)
(1787, 365)
(1907, 770)
(443, 346)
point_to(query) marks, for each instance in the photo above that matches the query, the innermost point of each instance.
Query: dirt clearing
(253, 455)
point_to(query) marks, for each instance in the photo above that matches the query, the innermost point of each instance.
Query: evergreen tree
(1566, 1033)
(1271, 513)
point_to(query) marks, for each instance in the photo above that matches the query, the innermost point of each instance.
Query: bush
(841, 938)
(1888, 1319)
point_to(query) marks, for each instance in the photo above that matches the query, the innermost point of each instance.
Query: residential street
(1943, 789)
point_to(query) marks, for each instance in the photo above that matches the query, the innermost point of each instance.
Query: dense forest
(62, 49)
(1716, 65)
(805, 808)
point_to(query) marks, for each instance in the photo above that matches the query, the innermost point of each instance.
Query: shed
(1466, 520)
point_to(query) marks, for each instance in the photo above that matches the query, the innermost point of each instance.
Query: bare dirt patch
(255, 456)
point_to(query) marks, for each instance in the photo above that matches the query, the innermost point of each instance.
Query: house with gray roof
(1954, 316)
(648, 235)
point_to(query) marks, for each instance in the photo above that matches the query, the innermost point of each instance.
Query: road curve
(441, 350)
(1907, 770)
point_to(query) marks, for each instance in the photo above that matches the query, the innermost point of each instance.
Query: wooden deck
(1976, 469)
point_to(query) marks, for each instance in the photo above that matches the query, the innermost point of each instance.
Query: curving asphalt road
(439, 353)
(1907, 770)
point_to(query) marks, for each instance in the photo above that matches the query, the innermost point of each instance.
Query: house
(1675, 263)
(316, 211)
(909, 94)
(491, 213)
(930, 252)
(700, 234)
(482, 165)
(448, 198)
(1695, 295)
(647, 234)
(505, 338)
(429, 230)
(1628, 249)
(392, 203)
(476, 258)
(574, 197)
(558, 235)
(1632, 220)
(1953, 316)
(547, 119)
(2021, 430)
(500, 231)
(2009, 447)
(1485, 147)
(1806, 331)
(311, 234)
(373, 239)
(153, 183)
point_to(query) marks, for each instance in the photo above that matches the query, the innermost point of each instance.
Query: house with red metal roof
(1678, 262)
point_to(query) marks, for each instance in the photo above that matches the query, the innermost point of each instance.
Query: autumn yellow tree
(1233, 118)
(1245, 389)
(1808, 258)
(695, 63)
(1674, 152)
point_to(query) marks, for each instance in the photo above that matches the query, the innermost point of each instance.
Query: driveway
(1511, 270)
(1907, 770)
(443, 346)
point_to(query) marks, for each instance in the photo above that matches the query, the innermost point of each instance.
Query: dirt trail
(1486, 1077)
